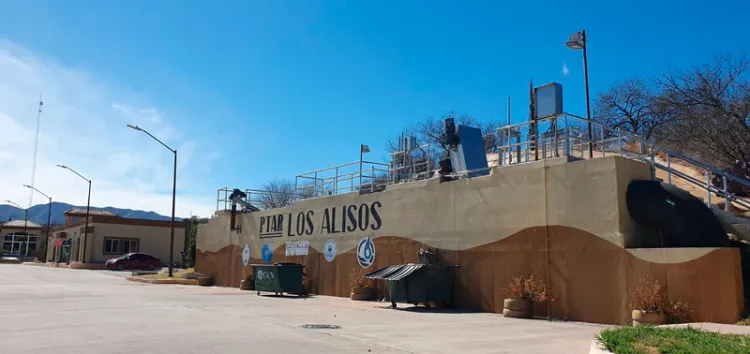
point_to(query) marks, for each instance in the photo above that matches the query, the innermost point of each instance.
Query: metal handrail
(559, 141)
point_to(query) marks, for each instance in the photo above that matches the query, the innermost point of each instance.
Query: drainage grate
(320, 326)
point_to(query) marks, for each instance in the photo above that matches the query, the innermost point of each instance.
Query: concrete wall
(565, 222)
(153, 240)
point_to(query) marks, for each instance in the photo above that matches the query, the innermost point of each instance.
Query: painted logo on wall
(267, 253)
(246, 255)
(366, 252)
(330, 250)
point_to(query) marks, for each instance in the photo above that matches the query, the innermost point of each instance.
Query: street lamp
(88, 205)
(578, 41)
(25, 220)
(174, 192)
(49, 211)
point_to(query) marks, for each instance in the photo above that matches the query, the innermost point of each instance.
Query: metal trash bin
(279, 278)
(418, 283)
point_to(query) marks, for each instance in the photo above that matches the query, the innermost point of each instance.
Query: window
(129, 246)
(19, 244)
(120, 245)
(111, 245)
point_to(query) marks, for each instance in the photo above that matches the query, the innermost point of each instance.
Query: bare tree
(711, 103)
(277, 194)
(631, 106)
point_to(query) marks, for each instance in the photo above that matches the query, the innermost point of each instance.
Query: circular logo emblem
(330, 251)
(365, 252)
(267, 253)
(246, 255)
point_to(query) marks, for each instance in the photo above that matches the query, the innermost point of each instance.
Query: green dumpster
(279, 278)
(418, 283)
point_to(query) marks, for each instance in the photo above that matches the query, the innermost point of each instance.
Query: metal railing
(262, 199)
(345, 178)
(563, 135)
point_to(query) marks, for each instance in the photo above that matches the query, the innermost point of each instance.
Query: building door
(65, 254)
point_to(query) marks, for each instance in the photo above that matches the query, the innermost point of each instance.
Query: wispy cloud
(83, 126)
(565, 70)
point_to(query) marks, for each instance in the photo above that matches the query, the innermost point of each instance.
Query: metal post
(509, 136)
(726, 194)
(708, 187)
(336, 182)
(653, 163)
(669, 170)
(588, 102)
(49, 218)
(171, 234)
(86, 228)
(360, 166)
(601, 128)
(372, 180)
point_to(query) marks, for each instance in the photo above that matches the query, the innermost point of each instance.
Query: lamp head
(134, 127)
(63, 166)
(27, 186)
(575, 41)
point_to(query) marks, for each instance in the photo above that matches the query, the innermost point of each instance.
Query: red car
(133, 261)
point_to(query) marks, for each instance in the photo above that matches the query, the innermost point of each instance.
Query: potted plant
(362, 288)
(647, 302)
(523, 292)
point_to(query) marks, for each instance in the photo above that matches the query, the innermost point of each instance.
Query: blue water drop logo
(330, 251)
(366, 252)
(267, 253)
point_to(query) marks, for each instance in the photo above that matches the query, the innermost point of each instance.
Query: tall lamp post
(578, 41)
(88, 206)
(25, 219)
(49, 211)
(174, 192)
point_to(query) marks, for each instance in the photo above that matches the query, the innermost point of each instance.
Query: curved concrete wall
(564, 221)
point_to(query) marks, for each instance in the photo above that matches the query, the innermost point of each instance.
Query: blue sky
(257, 90)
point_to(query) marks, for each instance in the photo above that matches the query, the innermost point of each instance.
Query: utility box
(418, 283)
(549, 100)
(279, 278)
(469, 154)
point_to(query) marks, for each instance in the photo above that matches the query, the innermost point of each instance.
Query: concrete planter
(517, 308)
(363, 294)
(205, 281)
(641, 317)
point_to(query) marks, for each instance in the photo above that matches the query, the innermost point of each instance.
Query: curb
(163, 281)
(594, 348)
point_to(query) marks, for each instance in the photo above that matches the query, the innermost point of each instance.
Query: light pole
(578, 41)
(174, 192)
(25, 221)
(49, 211)
(88, 206)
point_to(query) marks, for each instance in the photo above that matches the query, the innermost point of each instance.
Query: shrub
(527, 287)
(648, 296)
(357, 279)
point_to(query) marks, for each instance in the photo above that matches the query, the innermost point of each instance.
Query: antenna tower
(36, 148)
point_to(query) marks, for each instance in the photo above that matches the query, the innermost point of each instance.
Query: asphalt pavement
(56, 310)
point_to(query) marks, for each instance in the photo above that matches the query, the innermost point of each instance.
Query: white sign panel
(246, 255)
(298, 248)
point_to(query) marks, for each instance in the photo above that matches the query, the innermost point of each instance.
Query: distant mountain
(38, 213)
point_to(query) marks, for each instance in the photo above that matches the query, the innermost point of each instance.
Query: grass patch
(659, 340)
(177, 273)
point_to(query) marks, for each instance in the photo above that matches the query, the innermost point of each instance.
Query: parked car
(133, 261)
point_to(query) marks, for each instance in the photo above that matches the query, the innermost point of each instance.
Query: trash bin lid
(396, 272)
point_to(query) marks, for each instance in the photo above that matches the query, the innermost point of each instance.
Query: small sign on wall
(297, 248)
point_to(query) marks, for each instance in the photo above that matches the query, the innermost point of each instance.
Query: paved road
(49, 310)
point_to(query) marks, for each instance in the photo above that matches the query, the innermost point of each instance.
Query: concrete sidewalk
(53, 310)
